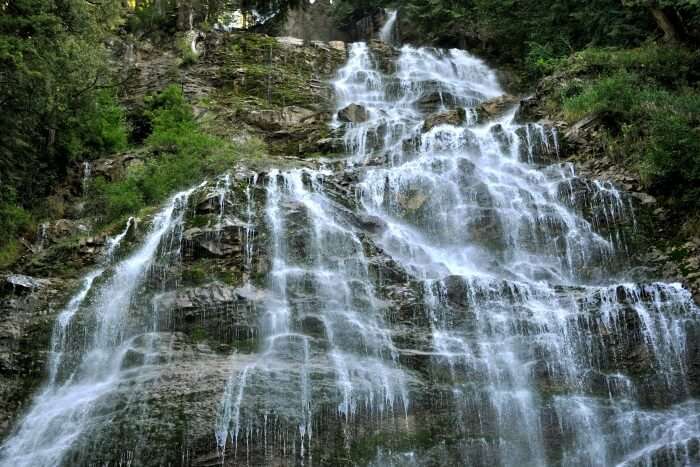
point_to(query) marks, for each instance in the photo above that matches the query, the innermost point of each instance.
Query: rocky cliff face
(672, 245)
(293, 312)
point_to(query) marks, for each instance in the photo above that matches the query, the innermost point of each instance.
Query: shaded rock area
(28, 308)
(353, 113)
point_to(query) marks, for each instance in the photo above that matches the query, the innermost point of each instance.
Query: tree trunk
(666, 24)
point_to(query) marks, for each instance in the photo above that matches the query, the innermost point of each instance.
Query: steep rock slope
(450, 293)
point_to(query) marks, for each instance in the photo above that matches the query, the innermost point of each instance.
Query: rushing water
(510, 267)
(83, 372)
(454, 295)
(388, 32)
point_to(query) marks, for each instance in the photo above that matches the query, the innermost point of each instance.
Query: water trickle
(82, 379)
(319, 289)
(388, 32)
(87, 172)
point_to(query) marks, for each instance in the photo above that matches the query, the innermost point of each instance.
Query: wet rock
(207, 297)
(451, 117)
(290, 41)
(644, 198)
(337, 45)
(432, 101)
(52, 232)
(330, 145)
(19, 283)
(495, 108)
(114, 168)
(577, 132)
(372, 224)
(528, 110)
(220, 241)
(413, 201)
(354, 113)
(277, 119)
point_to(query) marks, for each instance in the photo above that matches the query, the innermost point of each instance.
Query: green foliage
(542, 59)
(671, 151)
(615, 94)
(54, 83)
(653, 113)
(666, 65)
(102, 129)
(15, 221)
(181, 155)
(187, 55)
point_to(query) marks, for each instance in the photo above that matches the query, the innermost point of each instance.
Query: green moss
(194, 275)
(199, 334)
(180, 153)
(257, 76)
(10, 251)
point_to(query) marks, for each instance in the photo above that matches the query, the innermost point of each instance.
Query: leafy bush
(671, 151)
(187, 55)
(658, 123)
(616, 94)
(665, 65)
(181, 155)
(103, 128)
(14, 222)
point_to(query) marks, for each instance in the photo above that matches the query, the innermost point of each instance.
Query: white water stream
(487, 303)
(83, 373)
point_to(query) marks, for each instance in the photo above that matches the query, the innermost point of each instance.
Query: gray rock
(450, 117)
(495, 108)
(354, 113)
(21, 283)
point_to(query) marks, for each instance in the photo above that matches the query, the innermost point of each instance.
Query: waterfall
(450, 293)
(511, 269)
(319, 288)
(82, 379)
(87, 172)
(388, 32)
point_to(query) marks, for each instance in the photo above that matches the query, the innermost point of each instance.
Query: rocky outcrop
(28, 308)
(495, 108)
(450, 117)
(353, 113)
(663, 236)
(20, 284)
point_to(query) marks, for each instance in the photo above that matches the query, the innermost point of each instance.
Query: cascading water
(84, 372)
(510, 265)
(451, 293)
(322, 315)
(388, 32)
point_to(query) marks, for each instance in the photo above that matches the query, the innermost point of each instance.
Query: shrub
(616, 94)
(15, 221)
(180, 155)
(652, 116)
(671, 151)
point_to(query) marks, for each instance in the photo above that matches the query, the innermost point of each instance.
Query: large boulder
(495, 108)
(19, 283)
(277, 119)
(354, 113)
(450, 117)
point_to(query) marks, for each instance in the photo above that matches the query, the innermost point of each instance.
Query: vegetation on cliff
(57, 98)
(178, 153)
(633, 63)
